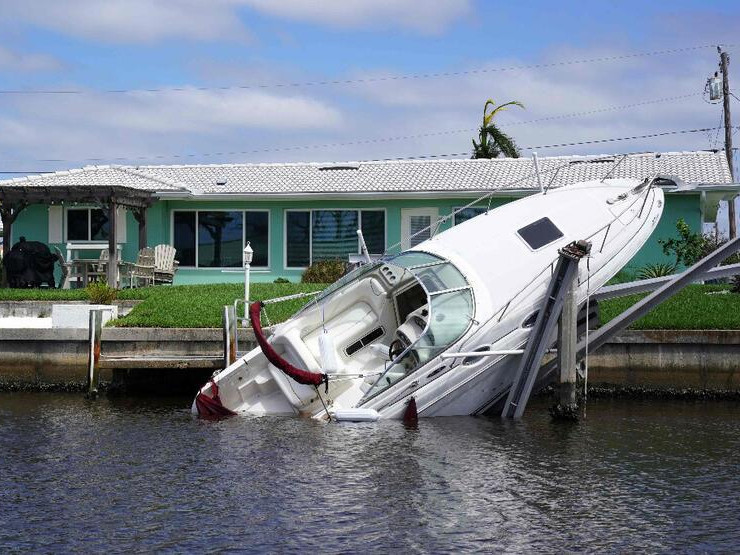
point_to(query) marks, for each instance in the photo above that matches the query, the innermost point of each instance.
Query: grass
(181, 306)
(200, 306)
(697, 307)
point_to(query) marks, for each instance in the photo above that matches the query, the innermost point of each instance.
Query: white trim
(244, 231)
(310, 229)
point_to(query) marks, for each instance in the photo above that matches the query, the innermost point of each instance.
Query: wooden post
(230, 335)
(140, 216)
(724, 62)
(93, 356)
(566, 406)
(112, 245)
(8, 214)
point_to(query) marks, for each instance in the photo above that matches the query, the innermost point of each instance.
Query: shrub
(735, 284)
(281, 280)
(324, 271)
(656, 270)
(690, 247)
(98, 292)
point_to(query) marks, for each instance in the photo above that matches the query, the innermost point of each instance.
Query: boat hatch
(433, 313)
(540, 233)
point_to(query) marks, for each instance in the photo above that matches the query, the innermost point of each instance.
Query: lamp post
(248, 255)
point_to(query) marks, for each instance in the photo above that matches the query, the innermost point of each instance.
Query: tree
(493, 141)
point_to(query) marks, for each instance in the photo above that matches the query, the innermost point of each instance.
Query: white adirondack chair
(165, 264)
(142, 269)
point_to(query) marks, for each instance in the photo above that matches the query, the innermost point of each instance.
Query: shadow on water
(141, 473)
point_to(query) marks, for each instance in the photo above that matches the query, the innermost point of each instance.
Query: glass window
(220, 239)
(333, 234)
(313, 235)
(420, 229)
(99, 225)
(440, 277)
(256, 231)
(540, 233)
(87, 224)
(77, 225)
(467, 213)
(373, 230)
(298, 239)
(184, 237)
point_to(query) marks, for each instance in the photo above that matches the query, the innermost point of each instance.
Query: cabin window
(216, 238)
(87, 224)
(540, 233)
(467, 213)
(313, 235)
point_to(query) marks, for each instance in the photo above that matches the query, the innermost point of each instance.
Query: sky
(338, 80)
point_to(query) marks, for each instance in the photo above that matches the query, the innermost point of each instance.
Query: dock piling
(230, 335)
(566, 405)
(93, 357)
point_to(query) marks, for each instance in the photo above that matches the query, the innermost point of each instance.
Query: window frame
(88, 209)
(244, 233)
(310, 230)
(456, 209)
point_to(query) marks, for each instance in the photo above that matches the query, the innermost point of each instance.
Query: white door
(417, 225)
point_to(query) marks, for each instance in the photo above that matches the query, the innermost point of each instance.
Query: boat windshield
(442, 321)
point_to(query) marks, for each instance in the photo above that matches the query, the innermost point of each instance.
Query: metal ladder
(565, 272)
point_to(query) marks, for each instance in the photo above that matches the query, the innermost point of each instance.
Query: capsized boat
(388, 331)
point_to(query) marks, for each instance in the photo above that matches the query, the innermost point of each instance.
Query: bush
(656, 270)
(281, 280)
(98, 292)
(691, 247)
(324, 271)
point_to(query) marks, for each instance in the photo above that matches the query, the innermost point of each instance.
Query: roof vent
(344, 167)
(221, 182)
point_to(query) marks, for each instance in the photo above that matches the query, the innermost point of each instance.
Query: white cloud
(145, 21)
(427, 17)
(131, 21)
(11, 60)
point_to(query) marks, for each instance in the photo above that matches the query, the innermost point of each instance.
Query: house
(294, 214)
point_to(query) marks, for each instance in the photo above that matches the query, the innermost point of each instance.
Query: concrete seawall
(661, 359)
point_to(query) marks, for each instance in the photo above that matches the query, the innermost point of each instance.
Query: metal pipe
(537, 171)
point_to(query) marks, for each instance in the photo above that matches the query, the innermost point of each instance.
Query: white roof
(403, 176)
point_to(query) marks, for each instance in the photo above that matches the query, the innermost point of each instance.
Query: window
(313, 235)
(466, 213)
(540, 233)
(216, 238)
(87, 224)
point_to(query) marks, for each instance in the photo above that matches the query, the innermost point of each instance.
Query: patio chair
(165, 264)
(142, 269)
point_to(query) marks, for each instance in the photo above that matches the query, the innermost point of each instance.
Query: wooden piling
(93, 358)
(566, 405)
(230, 335)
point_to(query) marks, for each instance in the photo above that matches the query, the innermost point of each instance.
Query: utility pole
(724, 62)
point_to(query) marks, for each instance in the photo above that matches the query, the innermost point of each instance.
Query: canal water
(144, 475)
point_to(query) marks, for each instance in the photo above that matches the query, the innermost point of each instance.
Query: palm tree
(493, 141)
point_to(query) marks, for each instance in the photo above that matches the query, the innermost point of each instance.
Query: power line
(412, 76)
(363, 141)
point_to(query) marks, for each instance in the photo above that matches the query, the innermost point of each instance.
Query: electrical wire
(403, 77)
(360, 142)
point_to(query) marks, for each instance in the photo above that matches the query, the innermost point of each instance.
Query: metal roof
(402, 176)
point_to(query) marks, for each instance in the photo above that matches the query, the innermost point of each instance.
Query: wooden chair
(142, 269)
(165, 264)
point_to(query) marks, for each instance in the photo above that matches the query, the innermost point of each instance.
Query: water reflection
(138, 474)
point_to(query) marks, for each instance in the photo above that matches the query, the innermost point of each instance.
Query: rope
(326, 410)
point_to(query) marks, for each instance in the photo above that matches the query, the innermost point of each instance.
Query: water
(144, 475)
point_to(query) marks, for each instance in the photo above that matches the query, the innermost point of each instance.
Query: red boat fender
(410, 415)
(211, 407)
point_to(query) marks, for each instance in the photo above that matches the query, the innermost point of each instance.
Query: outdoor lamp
(248, 254)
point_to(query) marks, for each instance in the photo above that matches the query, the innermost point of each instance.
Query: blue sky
(93, 46)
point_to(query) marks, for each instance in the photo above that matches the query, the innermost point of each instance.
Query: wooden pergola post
(112, 245)
(140, 216)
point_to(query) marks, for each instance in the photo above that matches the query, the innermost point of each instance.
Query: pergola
(14, 198)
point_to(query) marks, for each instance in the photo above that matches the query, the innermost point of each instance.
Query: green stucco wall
(33, 224)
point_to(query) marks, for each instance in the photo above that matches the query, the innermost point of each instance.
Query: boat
(386, 335)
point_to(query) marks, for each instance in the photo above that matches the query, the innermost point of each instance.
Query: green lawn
(698, 307)
(200, 306)
(181, 306)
